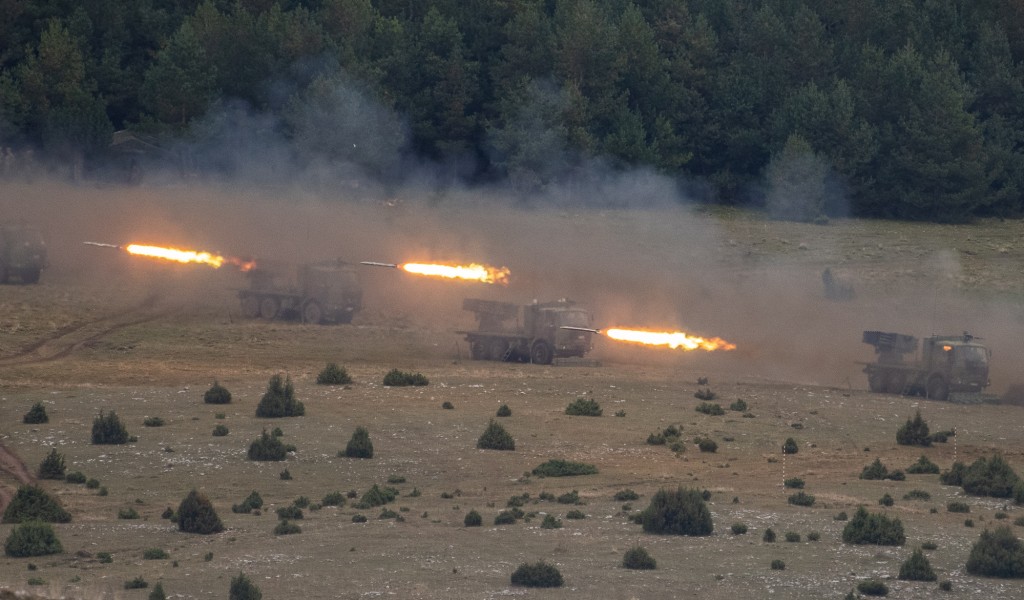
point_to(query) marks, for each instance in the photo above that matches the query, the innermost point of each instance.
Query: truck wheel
(477, 351)
(269, 308)
(541, 353)
(3, 274)
(938, 389)
(876, 381)
(345, 317)
(897, 382)
(250, 307)
(30, 276)
(497, 349)
(312, 313)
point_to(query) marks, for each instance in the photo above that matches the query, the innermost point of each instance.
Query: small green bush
(875, 471)
(32, 503)
(286, 475)
(813, 536)
(886, 500)
(332, 374)
(865, 528)
(333, 499)
(217, 394)
(505, 517)
(447, 405)
(36, 415)
(794, 483)
(396, 378)
(279, 400)
(768, 536)
(801, 499)
(929, 546)
(540, 575)
(656, 439)
(625, 495)
(289, 512)
(792, 536)
(267, 448)
(92, 483)
(108, 429)
(572, 497)
(917, 495)
(678, 512)
(946, 585)
(842, 516)
(105, 558)
(873, 587)
(504, 411)
(739, 528)
(196, 515)
(473, 519)
(584, 407)
(52, 466)
(563, 468)
(495, 438)
(739, 406)
(378, 496)
(550, 522)
(358, 519)
(958, 507)
(923, 466)
(359, 446)
(638, 558)
(710, 408)
(954, 476)
(128, 513)
(157, 593)
(153, 422)
(917, 568)
(707, 445)
(136, 584)
(990, 477)
(997, 553)
(252, 502)
(914, 432)
(76, 477)
(220, 430)
(155, 554)
(575, 515)
(705, 394)
(242, 588)
(286, 527)
(32, 538)
(778, 565)
(790, 447)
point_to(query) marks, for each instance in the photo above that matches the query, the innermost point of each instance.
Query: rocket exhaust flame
(672, 339)
(470, 272)
(182, 256)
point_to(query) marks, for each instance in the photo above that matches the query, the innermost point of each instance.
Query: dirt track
(13, 468)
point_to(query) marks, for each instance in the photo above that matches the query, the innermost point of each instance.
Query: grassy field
(104, 332)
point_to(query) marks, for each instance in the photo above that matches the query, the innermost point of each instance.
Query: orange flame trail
(471, 272)
(672, 339)
(188, 256)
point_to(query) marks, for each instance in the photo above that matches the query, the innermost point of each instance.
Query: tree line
(909, 109)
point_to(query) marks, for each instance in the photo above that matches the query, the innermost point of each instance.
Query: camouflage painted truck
(22, 253)
(320, 292)
(534, 333)
(946, 364)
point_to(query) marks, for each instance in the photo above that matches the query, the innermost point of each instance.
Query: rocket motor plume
(671, 339)
(470, 272)
(181, 256)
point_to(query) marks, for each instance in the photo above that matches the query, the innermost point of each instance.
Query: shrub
(917, 495)
(873, 587)
(946, 585)
(217, 394)
(705, 394)
(572, 497)
(638, 558)
(155, 554)
(886, 500)
(954, 476)
(32, 503)
(739, 528)
(473, 519)
(266, 448)
(108, 429)
(801, 499)
(923, 466)
(447, 405)
(679, 512)
(583, 407)
(358, 519)
(813, 536)
(929, 546)
(625, 495)
(333, 499)
(136, 584)
(896, 475)
(220, 430)
(359, 446)
(739, 406)
(992, 477)
(875, 471)
(301, 502)
(997, 553)
(707, 445)
(768, 536)
(541, 575)
(396, 378)
(286, 527)
(279, 400)
(563, 468)
(332, 374)
(917, 568)
(286, 475)
(958, 507)
(550, 522)
(656, 439)
(378, 496)
(576, 515)
(36, 415)
(914, 432)
(158, 592)
(128, 513)
(92, 483)
(778, 565)
(710, 408)
(495, 438)
(77, 477)
(790, 447)
(32, 538)
(792, 536)
(505, 517)
(504, 411)
(242, 588)
(104, 557)
(794, 483)
(865, 528)
(196, 515)
(841, 516)
(289, 512)
(941, 437)
(52, 466)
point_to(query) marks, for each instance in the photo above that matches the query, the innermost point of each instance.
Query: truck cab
(955, 364)
(22, 253)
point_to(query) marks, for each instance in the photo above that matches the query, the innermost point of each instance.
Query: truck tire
(541, 353)
(895, 383)
(250, 307)
(497, 349)
(876, 381)
(30, 276)
(269, 307)
(312, 313)
(937, 388)
(345, 317)
(477, 351)
(3, 274)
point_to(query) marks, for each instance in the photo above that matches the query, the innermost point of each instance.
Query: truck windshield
(973, 355)
(576, 318)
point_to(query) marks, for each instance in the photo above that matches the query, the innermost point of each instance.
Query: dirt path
(11, 465)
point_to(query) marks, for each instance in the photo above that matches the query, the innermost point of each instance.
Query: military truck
(532, 333)
(22, 253)
(947, 363)
(320, 292)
